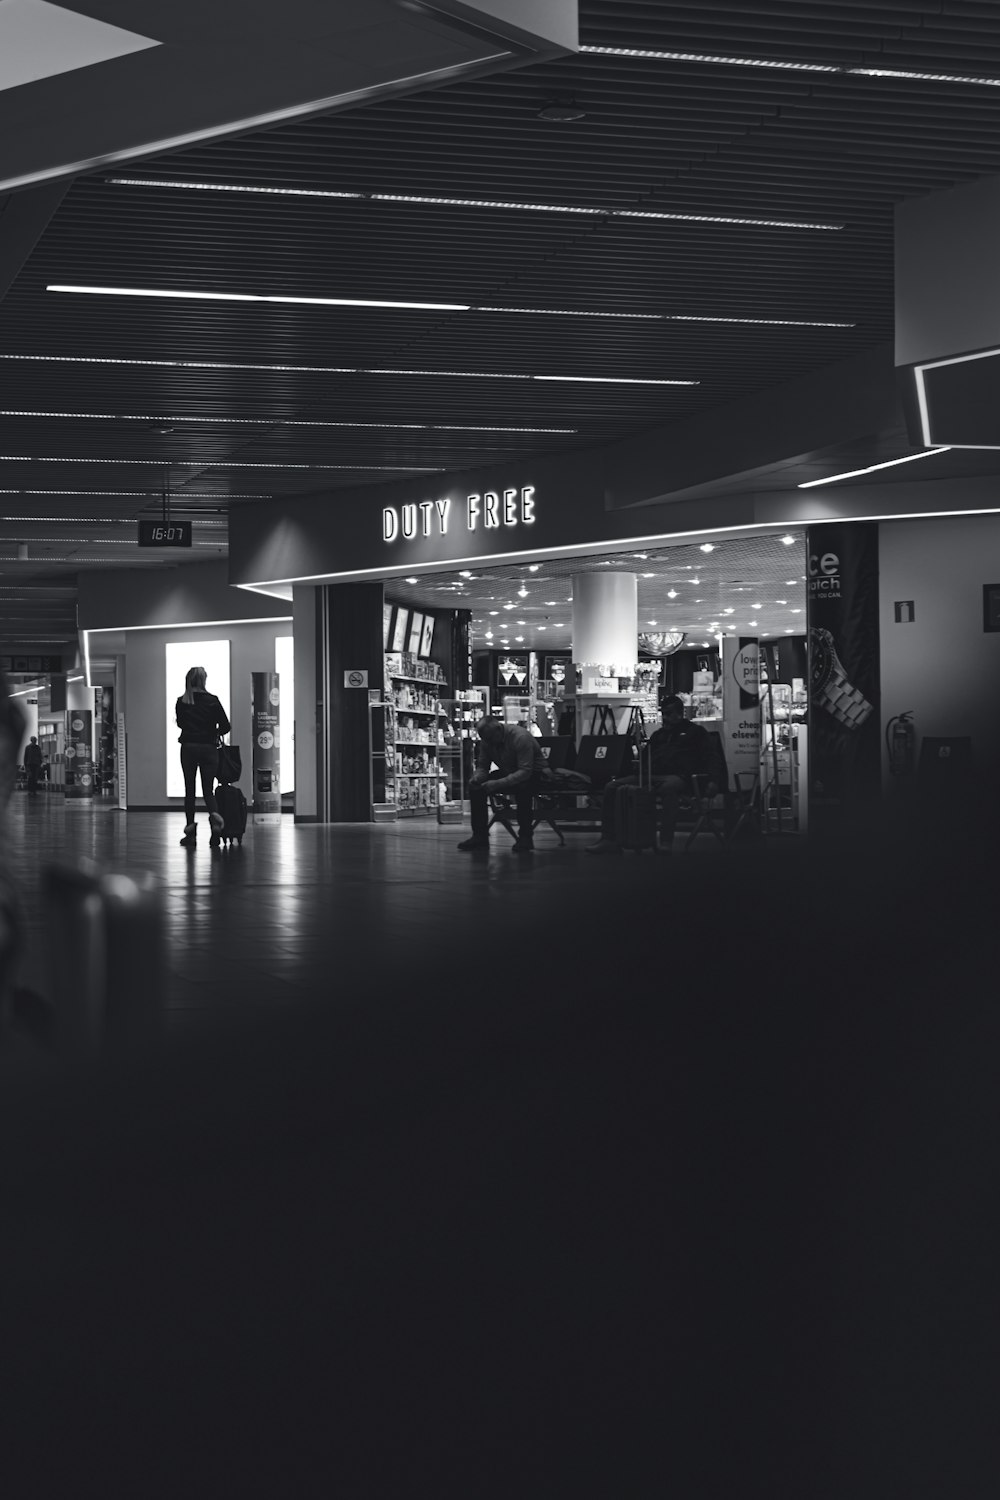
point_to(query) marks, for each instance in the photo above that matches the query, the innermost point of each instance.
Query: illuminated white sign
(492, 509)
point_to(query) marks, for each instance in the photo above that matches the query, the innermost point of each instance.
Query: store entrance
(697, 606)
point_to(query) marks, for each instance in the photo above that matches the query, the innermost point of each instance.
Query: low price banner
(266, 747)
(741, 705)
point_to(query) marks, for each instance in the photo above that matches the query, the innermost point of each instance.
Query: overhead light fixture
(411, 580)
(789, 541)
(522, 592)
(661, 642)
(519, 638)
(781, 65)
(672, 594)
(210, 463)
(713, 58)
(757, 322)
(707, 547)
(227, 421)
(438, 200)
(889, 463)
(533, 567)
(465, 573)
(617, 379)
(194, 296)
(562, 111)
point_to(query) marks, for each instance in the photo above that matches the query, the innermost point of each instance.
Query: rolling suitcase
(233, 806)
(635, 812)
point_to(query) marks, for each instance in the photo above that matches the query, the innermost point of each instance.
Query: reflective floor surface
(479, 1176)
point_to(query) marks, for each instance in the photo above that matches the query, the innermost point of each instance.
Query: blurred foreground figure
(11, 732)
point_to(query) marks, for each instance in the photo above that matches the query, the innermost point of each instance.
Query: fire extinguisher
(900, 740)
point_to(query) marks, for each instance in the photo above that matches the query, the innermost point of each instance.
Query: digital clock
(164, 533)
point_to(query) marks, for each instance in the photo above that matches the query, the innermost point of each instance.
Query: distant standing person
(202, 719)
(33, 764)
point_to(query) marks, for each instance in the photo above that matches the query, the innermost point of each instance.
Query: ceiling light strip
(195, 364)
(196, 296)
(586, 210)
(909, 458)
(222, 421)
(780, 65)
(210, 463)
(711, 58)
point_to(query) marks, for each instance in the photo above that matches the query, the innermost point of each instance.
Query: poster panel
(741, 705)
(79, 756)
(842, 613)
(266, 698)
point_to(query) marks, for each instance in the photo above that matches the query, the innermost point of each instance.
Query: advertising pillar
(842, 611)
(79, 757)
(266, 748)
(741, 706)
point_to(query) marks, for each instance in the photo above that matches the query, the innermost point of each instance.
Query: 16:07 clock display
(164, 534)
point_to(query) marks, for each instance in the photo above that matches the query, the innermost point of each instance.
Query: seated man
(677, 751)
(521, 762)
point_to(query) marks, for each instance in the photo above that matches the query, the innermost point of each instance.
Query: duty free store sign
(491, 509)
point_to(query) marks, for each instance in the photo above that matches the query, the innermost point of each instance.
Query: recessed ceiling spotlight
(707, 547)
(494, 611)
(465, 573)
(781, 601)
(550, 603)
(508, 606)
(694, 580)
(751, 622)
(757, 606)
(522, 622)
(795, 611)
(519, 638)
(729, 611)
(789, 629)
(412, 580)
(672, 594)
(789, 541)
(489, 635)
(650, 622)
(641, 555)
(533, 567)
(522, 592)
(648, 575)
(562, 111)
(558, 625)
(543, 627)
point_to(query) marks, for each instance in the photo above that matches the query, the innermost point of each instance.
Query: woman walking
(202, 719)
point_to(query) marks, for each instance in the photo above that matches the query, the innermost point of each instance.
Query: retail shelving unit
(406, 775)
(457, 722)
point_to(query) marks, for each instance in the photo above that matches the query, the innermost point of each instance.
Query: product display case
(457, 720)
(405, 771)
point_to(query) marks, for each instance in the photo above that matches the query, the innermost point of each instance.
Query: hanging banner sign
(79, 756)
(845, 760)
(741, 705)
(266, 748)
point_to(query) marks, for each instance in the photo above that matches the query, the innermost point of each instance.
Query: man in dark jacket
(678, 751)
(520, 763)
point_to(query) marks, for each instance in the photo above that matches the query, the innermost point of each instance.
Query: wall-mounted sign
(163, 534)
(904, 611)
(490, 509)
(356, 678)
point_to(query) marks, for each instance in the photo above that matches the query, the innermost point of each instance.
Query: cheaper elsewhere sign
(491, 509)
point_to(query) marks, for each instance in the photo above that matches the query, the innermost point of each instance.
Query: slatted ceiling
(659, 136)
